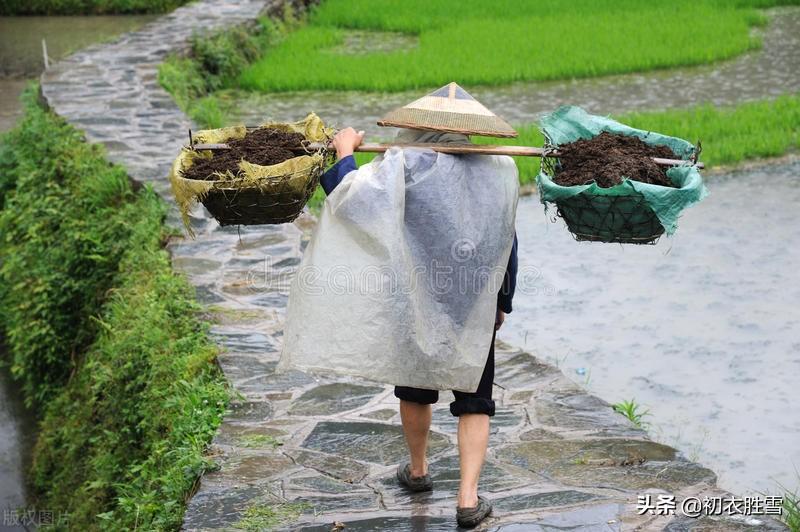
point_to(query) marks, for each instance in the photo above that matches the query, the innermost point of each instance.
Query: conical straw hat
(449, 109)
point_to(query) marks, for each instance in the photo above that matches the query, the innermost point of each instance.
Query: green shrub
(64, 231)
(86, 7)
(215, 62)
(104, 337)
(122, 445)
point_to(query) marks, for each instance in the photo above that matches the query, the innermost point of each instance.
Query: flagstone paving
(301, 451)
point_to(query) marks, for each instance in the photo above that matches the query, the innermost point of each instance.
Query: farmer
(455, 211)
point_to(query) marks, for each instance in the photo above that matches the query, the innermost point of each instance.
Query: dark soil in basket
(263, 146)
(610, 157)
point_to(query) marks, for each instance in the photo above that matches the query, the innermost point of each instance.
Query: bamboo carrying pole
(477, 149)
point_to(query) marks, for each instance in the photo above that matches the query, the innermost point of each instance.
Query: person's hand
(499, 318)
(346, 141)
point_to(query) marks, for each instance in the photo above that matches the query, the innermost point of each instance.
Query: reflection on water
(16, 441)
(21, 54)
(770, 72)
(21, 38)
(701, 329)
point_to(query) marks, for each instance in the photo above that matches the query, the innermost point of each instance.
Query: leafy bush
(104, 337)
(215, 62)
(64, 231)
(122, 445)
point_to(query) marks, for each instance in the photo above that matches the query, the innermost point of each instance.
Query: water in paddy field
(701, 329)
(21, 57)
(769, 72)
(16, 441)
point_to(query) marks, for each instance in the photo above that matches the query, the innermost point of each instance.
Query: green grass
(791, 511)
(495, 43)
(633, 411)
(214, 62)
(258, 517)
(105, 339)
(86, 7)
(259, 441)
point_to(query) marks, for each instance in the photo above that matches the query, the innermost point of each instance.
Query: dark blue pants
(478, 402)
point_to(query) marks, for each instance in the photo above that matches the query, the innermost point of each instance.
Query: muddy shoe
(470, 517)
(413, 483)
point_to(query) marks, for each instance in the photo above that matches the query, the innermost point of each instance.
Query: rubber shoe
(413, 483)
(471, 517)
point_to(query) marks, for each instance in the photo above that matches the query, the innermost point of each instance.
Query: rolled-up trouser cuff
(472, 405)
(416, 395)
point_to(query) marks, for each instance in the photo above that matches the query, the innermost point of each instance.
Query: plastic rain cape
(399, 282)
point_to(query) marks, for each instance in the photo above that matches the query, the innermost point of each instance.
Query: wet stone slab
(522, 371)
(738, 523)
(257, 468)
(333, 398)
(592, 518)
(322, 484)
(495, 479)
(504, 418)
(620, 464)
(417, 523)
(249, 436)
(320, 504)
(384, 414)
(367, 442)
(219, 509)
(535, 501)
(578, 410)
(276, 382)
(249, 411)
(333, 465)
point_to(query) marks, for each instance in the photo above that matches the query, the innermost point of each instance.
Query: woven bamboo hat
(450, 109)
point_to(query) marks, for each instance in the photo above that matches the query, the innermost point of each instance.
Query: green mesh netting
(631, 211)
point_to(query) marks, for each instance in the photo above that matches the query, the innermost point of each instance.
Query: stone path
(302, 452)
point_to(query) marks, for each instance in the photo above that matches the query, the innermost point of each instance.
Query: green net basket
(629, 213)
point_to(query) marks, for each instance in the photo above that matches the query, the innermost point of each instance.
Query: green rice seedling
(633, 411)
(483, 43)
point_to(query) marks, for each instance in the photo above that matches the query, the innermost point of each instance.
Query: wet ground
(16, 438)
(21, 56)
(770, 72)
(701, 329)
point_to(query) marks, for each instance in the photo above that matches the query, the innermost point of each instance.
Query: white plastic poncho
(399, 282)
